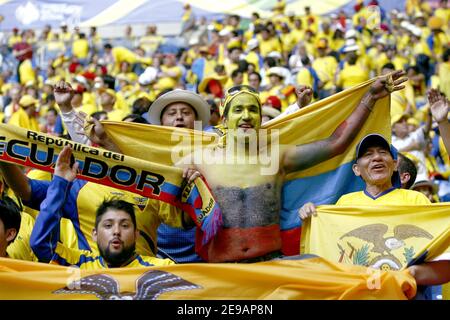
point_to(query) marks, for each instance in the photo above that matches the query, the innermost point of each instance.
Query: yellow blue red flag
(312, 278)
(314, 122)
(148, 167)
(151, 179)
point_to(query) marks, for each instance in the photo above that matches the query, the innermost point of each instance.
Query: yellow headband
(230, 97)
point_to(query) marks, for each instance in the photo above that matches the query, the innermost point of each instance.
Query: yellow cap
(111, 92)
(397, 117)
(213, 76)
(234, 43)
(165, 83)
(322, 44)
(413, 121)
(27, 100)
(435, 23)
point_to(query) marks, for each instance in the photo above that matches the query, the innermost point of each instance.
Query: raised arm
(439, 110)
(75, 121)
(305, 156)
(45, 234)
(63, 96)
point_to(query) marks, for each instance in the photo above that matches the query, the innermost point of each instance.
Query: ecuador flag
(310, 278)
(382, 237)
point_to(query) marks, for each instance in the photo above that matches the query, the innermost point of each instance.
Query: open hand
(438, 105)
(384, 86)
(63, 168)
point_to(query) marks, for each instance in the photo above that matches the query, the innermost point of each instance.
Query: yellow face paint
(234, 92)
(244, 113)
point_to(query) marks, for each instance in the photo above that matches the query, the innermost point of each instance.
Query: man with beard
(115, 229)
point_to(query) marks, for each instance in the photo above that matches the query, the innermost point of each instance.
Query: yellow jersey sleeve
(20, 247)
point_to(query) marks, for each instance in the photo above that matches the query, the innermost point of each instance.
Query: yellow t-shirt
(350, 76)
(254, 58)
(267, 46)
(304, 77)
(83, 199)
(66, 37)
(56, 45)
(122, 104)
(169, 82)
(80, 48)
(443, 13)
(310, 22)
(90, 261)
(13, 40)
(444, 78)
(117, 115)
(150, 43)
(298, 34)
(20, 247)
(420, 48)
(26, 72)
(325, 68)
(389, 197)
(122, 54)
(87, 108)
(378, 62)
(288, 42)
(21, 119)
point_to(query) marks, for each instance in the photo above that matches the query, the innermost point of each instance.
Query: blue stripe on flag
(325, 188)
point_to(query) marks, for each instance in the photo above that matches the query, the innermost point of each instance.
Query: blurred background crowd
(118, 78)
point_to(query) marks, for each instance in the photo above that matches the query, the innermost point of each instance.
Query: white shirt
(414, 143)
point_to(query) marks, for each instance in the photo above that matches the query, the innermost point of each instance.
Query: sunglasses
(240, 88)
(234, 91)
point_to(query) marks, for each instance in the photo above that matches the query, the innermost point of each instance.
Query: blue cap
(375, 139)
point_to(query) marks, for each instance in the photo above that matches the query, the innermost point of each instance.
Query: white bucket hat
(178, 95)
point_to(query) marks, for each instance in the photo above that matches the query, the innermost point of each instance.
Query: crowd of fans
(329, 53)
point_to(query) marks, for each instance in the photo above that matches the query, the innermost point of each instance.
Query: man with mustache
(115, 229)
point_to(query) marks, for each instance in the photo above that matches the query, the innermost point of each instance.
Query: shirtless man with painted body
(251, 201)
